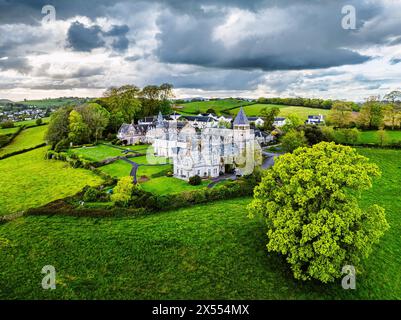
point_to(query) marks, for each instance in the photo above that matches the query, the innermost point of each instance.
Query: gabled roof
(241, 118)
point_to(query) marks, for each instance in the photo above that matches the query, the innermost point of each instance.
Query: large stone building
(201, 146)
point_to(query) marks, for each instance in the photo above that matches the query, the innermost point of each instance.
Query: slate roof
(241, 118)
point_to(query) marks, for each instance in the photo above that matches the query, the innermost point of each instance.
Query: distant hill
(54, 103)
(4, 101)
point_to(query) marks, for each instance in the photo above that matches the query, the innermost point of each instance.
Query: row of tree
(90, 122)
(374, 113)
(304, 102)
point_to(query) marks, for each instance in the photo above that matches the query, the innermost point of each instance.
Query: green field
(218, 106)
(57, 102)
(303, 112)
(103, 151)
(122, 168)
(27, 138)
(31, 122)
(170, 185)
(372, 137)
(211, 251)
(8, 130)
(27, 180)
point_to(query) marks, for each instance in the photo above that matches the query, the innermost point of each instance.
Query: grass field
(217, 106)
(27, 180)
(102, 151)
(204, 252)
(170, 185)
(27, 138)
(303, 112)
(372, 137)
(57, 102)
(122, 168)
(8, 130)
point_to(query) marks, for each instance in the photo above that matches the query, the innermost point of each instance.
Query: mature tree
(268, 116)
(96, 118)
(59, 126)
(340, 114)
(371, 114)
(156, 98)
(293, 139)
(78, 129)
(310, 202)
(393, 108)
(125, 100)
(352, 135)
(313, 134)
(382, 137)
(293, 121)
(7, 124)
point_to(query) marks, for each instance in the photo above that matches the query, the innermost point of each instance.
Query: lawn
(27, 180)
(27, 138)
(169, 185)
(218, 106)
(303, 112)
(211, 251)
(103, 151)
(372, 137)
(122, 168)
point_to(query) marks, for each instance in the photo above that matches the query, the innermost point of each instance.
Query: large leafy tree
(268, 116)
(59, 126)
(310, 201)
(78, 129)
(340, 114)
(96, 118)
(125, 100)
(372, 114)
(293, 139)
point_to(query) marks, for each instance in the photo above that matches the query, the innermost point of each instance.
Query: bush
(7, 124)
(195, 180)
(39, 121)
(94, 195)
(122, 193)
(62, 145)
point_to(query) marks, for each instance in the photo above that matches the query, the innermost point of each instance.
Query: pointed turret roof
(241, 118)
(160, 120)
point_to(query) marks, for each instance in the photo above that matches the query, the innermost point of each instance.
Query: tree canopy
(310, 203)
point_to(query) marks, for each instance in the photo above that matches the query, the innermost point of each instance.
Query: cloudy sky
(211, 48)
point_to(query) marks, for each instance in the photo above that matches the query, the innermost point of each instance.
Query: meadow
(217, 105)
(170, 185)
(27, 138)
(211, 251)
(303, 112)
(28, 180)
(372, 137)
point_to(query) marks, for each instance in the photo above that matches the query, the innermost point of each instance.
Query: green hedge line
(22, 151)
(144, 203)
(12, 137)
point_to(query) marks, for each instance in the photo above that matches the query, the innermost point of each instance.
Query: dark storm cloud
(19, 64)
(86, 38)
(82, 38)
(395, 61)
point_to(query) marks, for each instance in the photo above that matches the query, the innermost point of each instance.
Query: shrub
(39, 121)
(7, 124)
(93, 195)
(195, 180)
(62, 145)
(122, 193)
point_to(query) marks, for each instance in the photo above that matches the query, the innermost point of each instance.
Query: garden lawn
(303, 112)
(170, 185)
(27, 180)
(104, 151)
(27, 138)
(372, 137)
